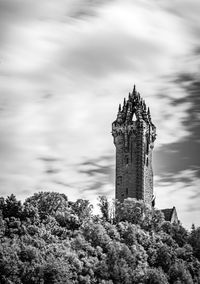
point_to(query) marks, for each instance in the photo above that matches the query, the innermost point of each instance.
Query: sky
(64, 68)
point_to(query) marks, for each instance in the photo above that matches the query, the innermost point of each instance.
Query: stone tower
(134, 135)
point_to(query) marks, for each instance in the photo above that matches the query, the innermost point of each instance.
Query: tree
(179, 234)
(12, 207)
(178, 273)
(2, 204)
(55, 273)
(194, 240)
(30, 212)
(48, 203)
(130, 210)
(56, 241)
(104, 207)
(165, 257)
(82, 208)
(155, 276)
(137, 212)
(2, 225)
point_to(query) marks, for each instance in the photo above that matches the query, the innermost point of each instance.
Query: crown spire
(124, 101)
(134, 104)
(149, 114)
(144, 105)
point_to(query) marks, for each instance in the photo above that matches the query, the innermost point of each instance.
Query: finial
(144, 104)
(134, 91)
(119, 107)
(128, 114)
(129, 96)
(124, 101)
(148, 113)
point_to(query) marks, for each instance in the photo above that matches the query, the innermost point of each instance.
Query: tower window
(127, 160)
(147, 147)
(134, 117)
(131, 151)
(147, 161)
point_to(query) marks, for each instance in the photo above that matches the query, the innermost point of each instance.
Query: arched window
(134, 117)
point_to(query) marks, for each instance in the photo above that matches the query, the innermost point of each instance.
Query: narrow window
(147, 161)
(127, 161)
(131, 151)
(147, 147)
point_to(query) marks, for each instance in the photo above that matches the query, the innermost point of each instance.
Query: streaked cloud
(182, 190)
(64, 67)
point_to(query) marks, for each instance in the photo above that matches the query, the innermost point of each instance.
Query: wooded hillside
(49, 239)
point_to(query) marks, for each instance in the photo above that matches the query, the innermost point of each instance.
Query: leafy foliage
(49, 239)
(194, 240)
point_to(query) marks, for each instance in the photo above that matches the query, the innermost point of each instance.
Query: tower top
(134, 106)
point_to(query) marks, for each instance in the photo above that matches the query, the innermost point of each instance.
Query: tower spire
(124, 102)
(149, 114)
(134, 93)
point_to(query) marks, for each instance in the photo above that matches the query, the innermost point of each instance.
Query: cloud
(176, 157)
(100, 171)
(183, 187)
(187, 10)
(190, 83)
(49, 159)
(64, 68)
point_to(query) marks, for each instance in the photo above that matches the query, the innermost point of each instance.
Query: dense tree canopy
(49, 239)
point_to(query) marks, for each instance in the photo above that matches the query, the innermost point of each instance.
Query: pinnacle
(134, 89)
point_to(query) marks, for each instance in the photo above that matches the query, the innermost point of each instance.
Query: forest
(48, 239)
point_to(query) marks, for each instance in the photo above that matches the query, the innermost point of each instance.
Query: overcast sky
(64, 68)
